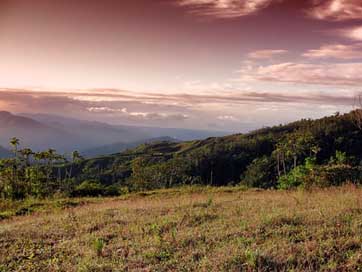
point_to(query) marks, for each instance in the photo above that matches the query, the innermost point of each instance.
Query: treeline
(321, 152)
(41, 174)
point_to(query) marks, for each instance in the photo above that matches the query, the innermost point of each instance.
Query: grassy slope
(195, 229)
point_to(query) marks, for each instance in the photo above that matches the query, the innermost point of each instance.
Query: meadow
(189, 229)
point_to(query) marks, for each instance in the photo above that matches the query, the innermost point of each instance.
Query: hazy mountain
(130, 133)
(5, 153)
(32, 133)
(120, 147)
(42, 131)
(90, 134)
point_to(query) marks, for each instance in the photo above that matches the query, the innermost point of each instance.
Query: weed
(98, 245)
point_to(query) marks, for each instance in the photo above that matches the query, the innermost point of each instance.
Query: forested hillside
(321, 152)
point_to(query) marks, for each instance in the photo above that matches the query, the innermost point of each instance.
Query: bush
(298, 176)
(295, 178)
(89, 188)
(260, 174)
(335, 175)
(112, 190)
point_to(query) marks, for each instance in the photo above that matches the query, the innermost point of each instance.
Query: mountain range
(332, 145)
(43, 131)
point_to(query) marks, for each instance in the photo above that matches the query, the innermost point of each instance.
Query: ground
(191, 229)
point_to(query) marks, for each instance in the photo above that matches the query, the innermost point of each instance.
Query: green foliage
(340, 158)
(260, 173)
(147, 175)
(266, 158)
(335, 175)
(298, 176)
(98, 245)
(112, 190)
(89, 188)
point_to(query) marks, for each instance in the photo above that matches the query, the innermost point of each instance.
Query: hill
(306, 153)
(120, 147)
(259, 159)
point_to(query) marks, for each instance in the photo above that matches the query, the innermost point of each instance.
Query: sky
(230, 65)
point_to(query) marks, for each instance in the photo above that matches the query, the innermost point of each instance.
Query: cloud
(131, 104)
(340, 74)
(231, 110)
(224, 8)
(337, 51)
(353, 33)
(158, 116)
(266, 54)
(227, 118)
(105, 110)
(336, 10)
(139, 115)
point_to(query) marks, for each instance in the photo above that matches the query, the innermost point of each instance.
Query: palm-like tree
(76, 158)
(14, 142)
(49, 156)
(26, 153)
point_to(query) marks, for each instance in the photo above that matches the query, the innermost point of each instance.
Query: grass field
(191, 229)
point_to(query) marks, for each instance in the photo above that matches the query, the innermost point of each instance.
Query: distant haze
(41, 132)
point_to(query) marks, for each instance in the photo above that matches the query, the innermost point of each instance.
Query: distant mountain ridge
(5, 153)
(142, 132)
(32, 133)
(43, 131)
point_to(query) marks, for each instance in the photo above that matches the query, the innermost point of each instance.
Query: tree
(76, 158)
(260, 173)
(294, 148)
(26, 153)
(357, 113)
(14, 142)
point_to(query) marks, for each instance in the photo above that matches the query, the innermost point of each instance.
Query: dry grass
(193, 230)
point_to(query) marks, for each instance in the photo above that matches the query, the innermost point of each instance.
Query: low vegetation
(191, 229)
(275, 199)
(307, 153)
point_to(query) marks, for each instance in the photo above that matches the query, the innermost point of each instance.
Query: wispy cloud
(336, 10)
(336, 51)
(139, 115)
(330, 10)
(338, 74)
(233, 110)
(266, 54)
(227, 118)
(353, 33)
(122, 102)
(224, 8)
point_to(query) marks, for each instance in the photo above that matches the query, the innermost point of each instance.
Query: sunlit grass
(191, 229)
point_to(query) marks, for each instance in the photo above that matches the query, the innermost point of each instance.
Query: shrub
(260, 174)
(335, 175)
(98, 245)
(89, 188)
(298, 176)
(112, 190)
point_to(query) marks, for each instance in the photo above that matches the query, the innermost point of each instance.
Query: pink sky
(210, 64)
